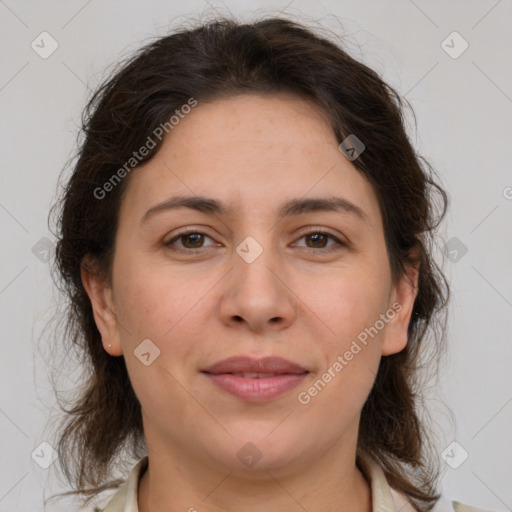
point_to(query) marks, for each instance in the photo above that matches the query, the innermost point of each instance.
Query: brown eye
(192, 240)
(189, 240)
(319, 239)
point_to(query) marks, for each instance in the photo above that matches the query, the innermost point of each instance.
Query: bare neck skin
(180, 482)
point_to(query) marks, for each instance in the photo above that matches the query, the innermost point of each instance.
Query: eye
(190, 240)
(319, 238)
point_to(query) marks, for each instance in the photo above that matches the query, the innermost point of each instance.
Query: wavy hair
(219, 59)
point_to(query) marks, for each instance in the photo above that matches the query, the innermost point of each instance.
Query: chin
(263, 449)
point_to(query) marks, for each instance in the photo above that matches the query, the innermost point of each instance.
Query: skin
(295, 300)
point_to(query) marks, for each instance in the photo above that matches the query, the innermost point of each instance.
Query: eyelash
(339, 243)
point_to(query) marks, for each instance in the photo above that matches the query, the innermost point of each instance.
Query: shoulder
(387, 499)
(460, 507)
(401, 503)
(125, 499)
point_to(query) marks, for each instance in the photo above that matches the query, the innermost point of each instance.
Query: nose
(256, 294)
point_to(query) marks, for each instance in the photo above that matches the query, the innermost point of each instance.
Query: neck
(176, 481)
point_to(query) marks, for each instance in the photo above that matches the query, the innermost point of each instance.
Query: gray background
(463, 107)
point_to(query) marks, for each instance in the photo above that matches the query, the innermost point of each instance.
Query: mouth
(248, 375)
(256, 380)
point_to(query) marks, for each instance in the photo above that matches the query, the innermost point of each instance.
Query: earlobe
(403, 297)
(100, 295)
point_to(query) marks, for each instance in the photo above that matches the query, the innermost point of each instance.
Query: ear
(100, 295)
(402, 299)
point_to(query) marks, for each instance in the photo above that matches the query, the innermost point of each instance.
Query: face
(251, 279)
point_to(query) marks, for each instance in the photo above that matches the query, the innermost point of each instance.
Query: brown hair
(223, 58)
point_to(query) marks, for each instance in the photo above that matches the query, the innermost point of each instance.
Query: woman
(245, 243)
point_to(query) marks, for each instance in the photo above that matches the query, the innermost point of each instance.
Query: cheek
(353, 303)
(151, 308)
(152, 301)
(166, 309)
(351, 307)
(350, 355)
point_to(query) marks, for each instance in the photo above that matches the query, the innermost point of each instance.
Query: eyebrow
(289, 208)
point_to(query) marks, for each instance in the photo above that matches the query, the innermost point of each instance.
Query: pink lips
(256, 380)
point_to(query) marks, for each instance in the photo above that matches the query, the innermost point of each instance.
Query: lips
(256, 380)
(247, 365)
(248, 375)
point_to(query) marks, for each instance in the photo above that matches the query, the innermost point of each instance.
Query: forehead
(280, 124)
(251, 152)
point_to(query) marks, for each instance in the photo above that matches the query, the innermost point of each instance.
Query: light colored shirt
(384, 498)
